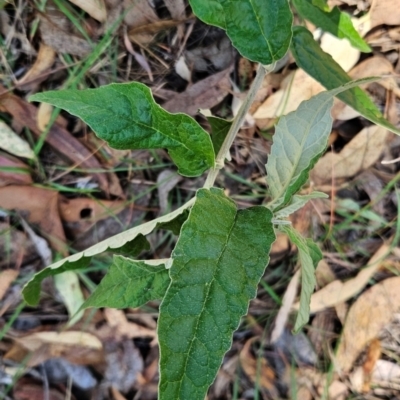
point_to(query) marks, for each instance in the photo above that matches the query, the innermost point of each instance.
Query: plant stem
(237, 123)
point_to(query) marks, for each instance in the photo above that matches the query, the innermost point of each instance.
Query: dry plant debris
(62, 190)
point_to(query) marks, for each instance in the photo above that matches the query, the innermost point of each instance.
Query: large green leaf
(129, 242)
(335, 22)
(260, 29)
(126, 116)
(300, 139)
(322, 67)
(130, 283)
(217, 263)
(309, 255)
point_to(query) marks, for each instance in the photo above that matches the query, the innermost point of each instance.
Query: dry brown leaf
(371, 312)
(38, 206)
(204, 94)
(358, 155)
(116, 319)
(373, 354)
(95, 8)
(337, 292)
(55, 30)
(77, 347)
(385, 371)
(341, 51)
(22, 177)
(138, 13)
(7, 277)
(75, 210)
(296, 87)
(176, 8)
(37, 73)
(44, 115)
(384, 12)
(257, 370)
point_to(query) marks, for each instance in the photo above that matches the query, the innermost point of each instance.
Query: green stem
(237, 123)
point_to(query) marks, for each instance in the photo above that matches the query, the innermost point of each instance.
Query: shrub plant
(222, 251)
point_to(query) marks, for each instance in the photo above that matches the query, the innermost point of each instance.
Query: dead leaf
(138, 13)
(7, 277)
(166, 181)
(220, 54)
(296, 87)
(358, 155)
(13, 143)
(117, 320)
(124, 364)
(385, 371)
(13, 171)
(77, 347)
(206, 93)
(89, 210)
(44, 115)
(56, 31)
(39, 206)
(39, 70)
(176, 8)
(337, 292)
(384, 12)
(58, 137)
(373, 354)
(371, 312)
(341, 50)
(95, 8)
(257, 370)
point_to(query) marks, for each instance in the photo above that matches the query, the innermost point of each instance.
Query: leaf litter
(125, 362)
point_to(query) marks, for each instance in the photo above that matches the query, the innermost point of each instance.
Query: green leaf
(335, 22)
(297, 202)
(321, 66)
(261, 30)
(310, 255)
(127, 117)
(322, 4)
(130, 283)
(300, 139)
(219, 129)
(218, 261)
(130, 242)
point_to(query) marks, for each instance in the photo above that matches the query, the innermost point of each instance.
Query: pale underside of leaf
(130, 284)
(259, 29)
(217, 264)
(81, 260)
(127, 117)
(309, 256)
(300, 139)
(297, 202)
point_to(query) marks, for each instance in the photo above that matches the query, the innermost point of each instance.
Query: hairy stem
(237, 123)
